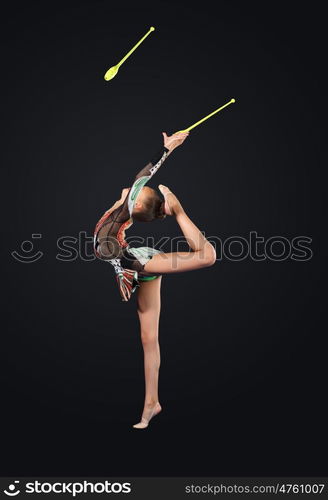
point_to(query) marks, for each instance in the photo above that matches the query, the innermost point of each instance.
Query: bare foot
(147, 415)
(172, 205)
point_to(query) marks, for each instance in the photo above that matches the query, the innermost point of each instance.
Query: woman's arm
(173, 141)
(122, 209)
(129, 195)
(170, 143)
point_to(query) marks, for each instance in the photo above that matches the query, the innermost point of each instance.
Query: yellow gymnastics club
(114, 69)
(208, 116)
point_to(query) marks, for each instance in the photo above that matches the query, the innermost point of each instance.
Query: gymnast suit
(109, 235)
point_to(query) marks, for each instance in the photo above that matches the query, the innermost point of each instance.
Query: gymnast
(143, 267)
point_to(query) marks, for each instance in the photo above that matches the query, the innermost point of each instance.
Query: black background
(243, 376)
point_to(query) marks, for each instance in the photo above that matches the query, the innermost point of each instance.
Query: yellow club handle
(208, 116)
(136, 45)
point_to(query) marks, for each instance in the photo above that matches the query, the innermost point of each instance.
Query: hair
(152, 207)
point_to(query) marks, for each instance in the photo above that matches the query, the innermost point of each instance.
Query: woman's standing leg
(149, 306)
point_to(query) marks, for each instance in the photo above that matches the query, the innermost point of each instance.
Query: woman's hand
(173, 141)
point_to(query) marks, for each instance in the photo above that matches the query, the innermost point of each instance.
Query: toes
(140, 425)
(163, 189)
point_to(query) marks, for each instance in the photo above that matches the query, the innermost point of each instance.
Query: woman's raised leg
(149, 306)
(202, 251)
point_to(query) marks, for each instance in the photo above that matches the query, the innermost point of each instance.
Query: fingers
(164, 189)
(181, 135)
(178, 135)
(172, 141)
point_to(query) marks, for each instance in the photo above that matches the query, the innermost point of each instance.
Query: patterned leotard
(109, 234)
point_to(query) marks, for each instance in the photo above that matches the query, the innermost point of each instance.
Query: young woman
(142, 267)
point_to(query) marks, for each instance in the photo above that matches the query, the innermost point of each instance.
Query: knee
(149, 338)
(210, 256)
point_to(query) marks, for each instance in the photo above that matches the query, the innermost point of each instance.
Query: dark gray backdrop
(243, 374)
